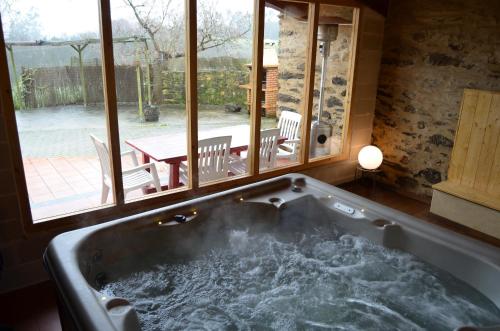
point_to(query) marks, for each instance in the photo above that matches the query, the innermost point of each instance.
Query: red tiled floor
(61, 185)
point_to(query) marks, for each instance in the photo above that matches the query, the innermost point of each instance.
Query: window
(130, 118)
(224, 55)
(149, 57)
(284, 60)
(55, 68)
(331, 84)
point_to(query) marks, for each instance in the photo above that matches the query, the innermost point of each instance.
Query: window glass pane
(149, 55)
(331, 85)
(224, 55)
(54, 55)
(285, 51)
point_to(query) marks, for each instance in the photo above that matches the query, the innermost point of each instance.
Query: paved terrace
(60, 161)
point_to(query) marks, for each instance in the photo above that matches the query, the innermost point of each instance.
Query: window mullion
(256, 85)
(108, 72)
(309, 80)
(192, 92)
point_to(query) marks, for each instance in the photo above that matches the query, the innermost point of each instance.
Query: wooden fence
(56, 86)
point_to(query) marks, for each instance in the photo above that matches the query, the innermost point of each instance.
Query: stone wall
(292, 52)
(217, 87)
(433, 49)
(292, 56)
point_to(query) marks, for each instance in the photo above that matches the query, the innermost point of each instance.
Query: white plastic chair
(133, 178)
(213, 160)
(289, 125)
(267, 153)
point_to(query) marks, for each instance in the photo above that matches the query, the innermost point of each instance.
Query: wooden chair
(267, 153)
(134, 178)
(213, 160)
(289, 125)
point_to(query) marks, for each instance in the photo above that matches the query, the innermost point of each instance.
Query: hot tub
(287, 253)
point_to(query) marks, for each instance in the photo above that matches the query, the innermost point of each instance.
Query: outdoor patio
(60, 161)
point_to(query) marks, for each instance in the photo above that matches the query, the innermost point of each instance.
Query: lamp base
(360, 168)
(369, 171)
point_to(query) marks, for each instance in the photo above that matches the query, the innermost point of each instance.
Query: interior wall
(22, 255)
(433, 49)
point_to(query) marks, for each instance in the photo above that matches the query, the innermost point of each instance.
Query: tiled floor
(60, 185)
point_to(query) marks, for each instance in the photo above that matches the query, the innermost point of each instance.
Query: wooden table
(172, 149)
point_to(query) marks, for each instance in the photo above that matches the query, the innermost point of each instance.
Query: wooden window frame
(193, 189)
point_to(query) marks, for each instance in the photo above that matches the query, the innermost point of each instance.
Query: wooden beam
(119, 40)
(108, 72)
(139, 84)
(256, 80)
(148, 72)
(351, 79)
(7, 107)
(14, 71)
(79, 49)
(313, 15)
(192, 92)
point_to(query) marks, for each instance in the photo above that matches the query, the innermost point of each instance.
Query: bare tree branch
(165, 27)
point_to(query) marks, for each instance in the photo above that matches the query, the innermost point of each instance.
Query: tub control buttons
(344, 208)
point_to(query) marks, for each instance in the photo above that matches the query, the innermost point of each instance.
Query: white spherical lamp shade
(370, 157)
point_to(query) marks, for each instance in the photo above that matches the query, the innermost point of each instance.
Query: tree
(19, 25)
(164, 25)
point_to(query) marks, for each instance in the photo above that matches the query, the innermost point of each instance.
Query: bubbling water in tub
(319, 280)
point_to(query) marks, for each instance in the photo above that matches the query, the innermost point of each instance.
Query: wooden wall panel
(476, 139)
(462, 136)
(489, 146)
(494, 183)
(474, 172)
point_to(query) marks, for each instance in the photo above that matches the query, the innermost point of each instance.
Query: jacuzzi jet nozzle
(180, 218)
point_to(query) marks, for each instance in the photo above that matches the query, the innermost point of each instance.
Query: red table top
(173, 148)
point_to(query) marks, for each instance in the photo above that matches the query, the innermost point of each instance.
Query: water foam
(320, 281)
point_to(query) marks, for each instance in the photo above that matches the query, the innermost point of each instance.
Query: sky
(60, 18)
